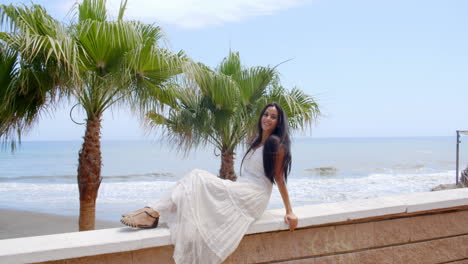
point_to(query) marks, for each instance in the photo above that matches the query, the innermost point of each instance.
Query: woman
(209, 216)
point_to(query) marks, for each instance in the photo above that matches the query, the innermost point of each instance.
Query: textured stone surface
(114, 258)
(273, 246)
(331, 260)
(456, 222)
(158, 255)
(64, 261)
(353, 236)
(373, 256)
(446, 250)
(365, 234)
(344, 238)
(380, 256)
(306, 243)
(321, 240)
(298, 261)
(390, 232)
(465, 261)
(438, 225)
(426, 227)
(433, 251)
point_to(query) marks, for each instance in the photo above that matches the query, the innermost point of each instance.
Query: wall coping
(105, 241)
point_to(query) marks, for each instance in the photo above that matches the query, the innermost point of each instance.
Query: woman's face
(270, 119)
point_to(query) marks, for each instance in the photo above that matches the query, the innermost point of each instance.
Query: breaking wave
(72, 178)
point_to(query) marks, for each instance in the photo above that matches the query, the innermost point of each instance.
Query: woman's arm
(290, 218)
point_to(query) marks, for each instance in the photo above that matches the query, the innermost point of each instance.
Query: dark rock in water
(462, 183)
(322, 171)
(442, 187)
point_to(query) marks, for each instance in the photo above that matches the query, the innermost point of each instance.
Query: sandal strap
(145, 212)
(133, 222)
(150, 215)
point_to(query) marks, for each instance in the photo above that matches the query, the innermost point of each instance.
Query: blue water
(41, 176)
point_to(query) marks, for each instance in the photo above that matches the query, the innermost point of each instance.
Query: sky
(387, 68)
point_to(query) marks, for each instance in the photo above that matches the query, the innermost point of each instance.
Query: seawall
(429, 227)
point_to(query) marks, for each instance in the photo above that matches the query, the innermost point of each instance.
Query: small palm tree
(220, 107)
(108, 62)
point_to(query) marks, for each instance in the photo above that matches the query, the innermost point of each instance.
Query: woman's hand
(291, 220)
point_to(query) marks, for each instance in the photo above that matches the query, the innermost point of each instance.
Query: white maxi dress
(209, 216)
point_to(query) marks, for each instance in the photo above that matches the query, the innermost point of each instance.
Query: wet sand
(15, 224)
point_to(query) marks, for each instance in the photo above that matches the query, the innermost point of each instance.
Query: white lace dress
(209, 216)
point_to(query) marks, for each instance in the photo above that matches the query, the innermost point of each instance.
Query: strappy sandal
(130, 220)
(136, 212)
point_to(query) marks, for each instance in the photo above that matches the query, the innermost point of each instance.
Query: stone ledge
(349, 237)
(328, 213)
(80, 244)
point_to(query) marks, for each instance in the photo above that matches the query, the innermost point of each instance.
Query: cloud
(198, 13)
(189, 14)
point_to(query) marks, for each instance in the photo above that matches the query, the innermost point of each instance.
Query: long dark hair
(279, 138)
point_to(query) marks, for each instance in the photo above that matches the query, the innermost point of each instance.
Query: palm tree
(122, 63)
(220, 107)
(113, 62)
(36, 63)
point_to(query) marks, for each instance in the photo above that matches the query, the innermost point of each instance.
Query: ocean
(41, 176)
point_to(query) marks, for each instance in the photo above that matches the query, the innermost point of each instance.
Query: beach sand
(15, 224)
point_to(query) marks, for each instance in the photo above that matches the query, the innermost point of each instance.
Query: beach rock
(464, 177)
(462, 183)
(442, 187)
(322, 171)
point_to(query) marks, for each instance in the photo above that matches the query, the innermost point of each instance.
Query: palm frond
(38, 35)
(123, 6)
(300, 108)
(26, 91)
(220, 90)
(92, 10)
(149, 33)
(104, 43)
(253, 83)
(44, 64)
(231, 64)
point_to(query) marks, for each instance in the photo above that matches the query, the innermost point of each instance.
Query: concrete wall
(415, 228)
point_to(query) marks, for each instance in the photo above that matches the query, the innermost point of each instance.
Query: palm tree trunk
(227, 166)
(89, 174)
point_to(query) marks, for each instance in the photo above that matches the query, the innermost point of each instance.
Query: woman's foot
(142, 218)
(137, 211)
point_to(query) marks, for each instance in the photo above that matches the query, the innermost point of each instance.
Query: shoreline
(17, 223)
